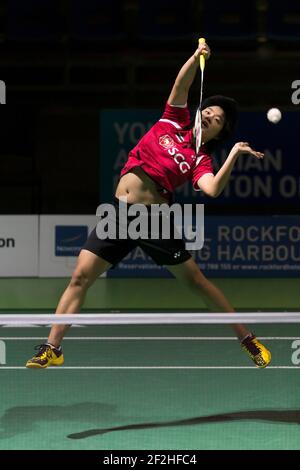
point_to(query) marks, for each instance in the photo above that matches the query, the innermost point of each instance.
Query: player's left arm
(213, 185)
(185, 77)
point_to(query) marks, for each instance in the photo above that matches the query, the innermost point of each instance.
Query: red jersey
(167, 153)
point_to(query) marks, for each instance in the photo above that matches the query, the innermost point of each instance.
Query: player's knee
(79, 279)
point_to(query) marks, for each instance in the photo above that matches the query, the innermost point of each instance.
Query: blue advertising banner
(69, 239)
(234, 247)
(273, 180)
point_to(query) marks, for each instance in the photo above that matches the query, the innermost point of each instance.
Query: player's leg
(189, 274)
(88, 268)
(171, 253)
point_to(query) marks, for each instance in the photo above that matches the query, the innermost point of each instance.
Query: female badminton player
(164, 159)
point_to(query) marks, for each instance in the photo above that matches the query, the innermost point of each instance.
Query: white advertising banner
(18, 245)
(61, 238)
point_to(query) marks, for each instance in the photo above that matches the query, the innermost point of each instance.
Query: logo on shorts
(166, 141)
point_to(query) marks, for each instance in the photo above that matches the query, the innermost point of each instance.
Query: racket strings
(198, 120)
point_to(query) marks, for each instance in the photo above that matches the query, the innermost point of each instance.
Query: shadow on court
(24, 419)
(275, 416)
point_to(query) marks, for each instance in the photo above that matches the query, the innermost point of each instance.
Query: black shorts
(163, 251)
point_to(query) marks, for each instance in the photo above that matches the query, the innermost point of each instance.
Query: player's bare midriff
(138, 187)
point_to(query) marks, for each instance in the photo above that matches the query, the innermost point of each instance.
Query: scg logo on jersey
(166, 141)
(179, 159)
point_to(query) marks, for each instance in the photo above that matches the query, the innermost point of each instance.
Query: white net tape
(148, 318)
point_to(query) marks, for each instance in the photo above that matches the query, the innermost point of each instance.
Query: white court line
(148, 338)
(148, 367)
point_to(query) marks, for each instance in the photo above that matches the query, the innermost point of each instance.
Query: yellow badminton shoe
(259, 354)
(47, 355)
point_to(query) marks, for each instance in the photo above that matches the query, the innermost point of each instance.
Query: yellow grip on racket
(202, 56)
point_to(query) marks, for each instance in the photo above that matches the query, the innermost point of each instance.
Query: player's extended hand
(244, 147)
(202, 49)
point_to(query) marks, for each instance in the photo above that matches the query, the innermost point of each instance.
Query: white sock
(54, 347)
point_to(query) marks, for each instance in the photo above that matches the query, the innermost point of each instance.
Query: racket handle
(202, 56)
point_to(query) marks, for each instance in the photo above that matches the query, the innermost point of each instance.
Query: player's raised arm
(186, 75)
(214, 185)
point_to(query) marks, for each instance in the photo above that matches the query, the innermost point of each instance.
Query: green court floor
(107, 294)
(151, 387)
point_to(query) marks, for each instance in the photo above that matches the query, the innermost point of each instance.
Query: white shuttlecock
(274, 115)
